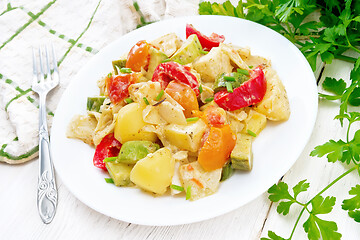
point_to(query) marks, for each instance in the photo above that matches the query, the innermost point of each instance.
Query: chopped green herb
(166, 60)
(109, 180)
(251, 66)
(193, 119)
(136, 6)
(229, 87)
(110, 159)
(159, 96)
(188, 193)
(125, 70)
(109, 75)
(176, 187)
(229, 78)
(235, 78)
(146, 101)
(209, 99)
(251, 133)
(243, 71)
(200, 89)
(204, 52)
(128, 100)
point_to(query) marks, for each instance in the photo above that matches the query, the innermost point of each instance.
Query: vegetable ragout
(180, 115)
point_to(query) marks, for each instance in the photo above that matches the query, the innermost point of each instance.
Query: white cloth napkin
(78, 30)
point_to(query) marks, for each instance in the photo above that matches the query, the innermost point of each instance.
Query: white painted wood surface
(19, 217)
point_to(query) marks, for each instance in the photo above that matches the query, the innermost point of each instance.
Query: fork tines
(47, 70)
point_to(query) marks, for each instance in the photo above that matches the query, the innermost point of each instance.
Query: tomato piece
(108, 147)
(138, 56)
(212, 116)
(217, 148)
(215, 116)
(166, 72)
(206, 42)
(184, 95)
(249, 93)
(118, 86)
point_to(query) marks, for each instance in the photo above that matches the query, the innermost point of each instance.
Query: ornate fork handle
(47, 192)
(42, 84)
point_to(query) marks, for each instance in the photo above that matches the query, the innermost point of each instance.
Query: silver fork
(43, 83)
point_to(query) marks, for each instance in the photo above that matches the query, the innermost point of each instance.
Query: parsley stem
(296, 223)
(347, 132)
(345, 58)
(354, 48)
(333, 182)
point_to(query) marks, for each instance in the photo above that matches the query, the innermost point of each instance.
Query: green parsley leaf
(334, 151)
(354, 97)
(351, 116)
(321, 205)
(284, 207)
(273, 236)
(340, 150)
(352, 203)
(302, 186)
(279, 192)
(355, 215)
(315, 226)
(334, 86)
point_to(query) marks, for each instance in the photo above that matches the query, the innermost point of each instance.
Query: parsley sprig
(346, 151)
(330, 36)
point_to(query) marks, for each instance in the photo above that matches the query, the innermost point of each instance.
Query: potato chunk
(185, 137)
(129, 124)
(154, 172)
(200, 182)
(211, 65)
(255, 122)
(275, 104)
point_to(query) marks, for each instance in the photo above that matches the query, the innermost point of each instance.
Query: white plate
(275, 150)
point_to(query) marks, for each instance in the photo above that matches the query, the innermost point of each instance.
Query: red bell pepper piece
(206, 42)
(118, 86)
(108, 147)
(166, 72)
(249, 93)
